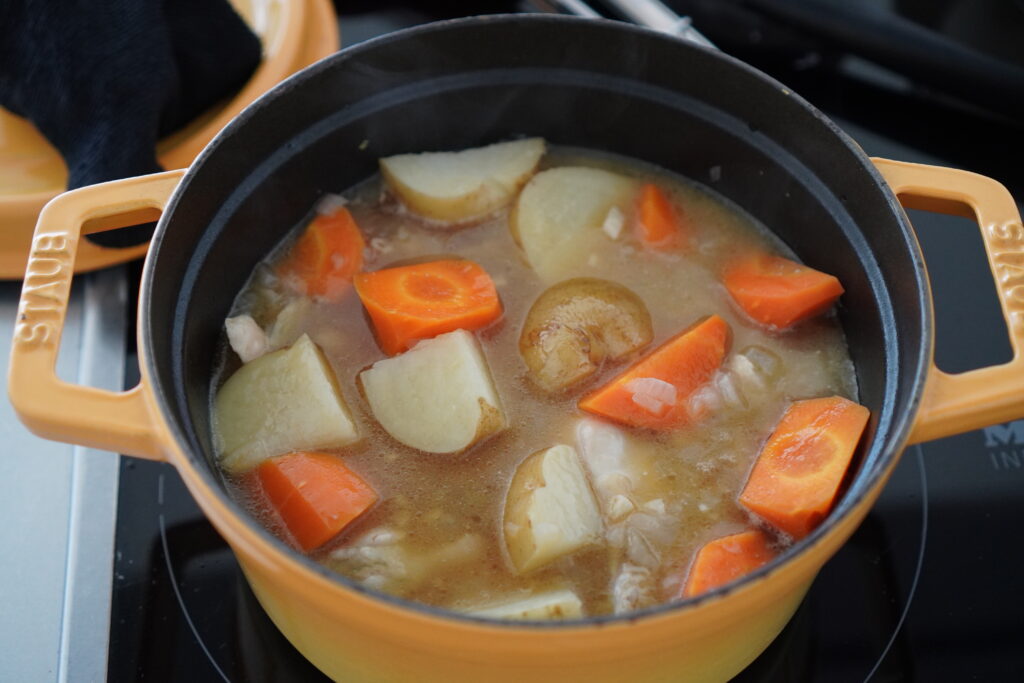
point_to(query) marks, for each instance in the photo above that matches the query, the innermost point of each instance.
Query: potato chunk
(557, 604)
(550, 510)
(436, 397)
(462, 186)
(561, 213)
(284, 401)
(576, 325)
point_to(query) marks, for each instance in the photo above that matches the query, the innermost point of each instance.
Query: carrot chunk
(797, 475)
(659, 224)
(325, 257)
(653, 393)
(315, 494)
(421, 301)
(726, 559)
(778, 292)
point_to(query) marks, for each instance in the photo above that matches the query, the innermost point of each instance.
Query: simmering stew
(525, 382)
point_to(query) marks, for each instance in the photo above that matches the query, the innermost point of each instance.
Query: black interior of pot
(600, 85)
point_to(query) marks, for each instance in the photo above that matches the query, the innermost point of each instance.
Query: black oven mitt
(103, 81)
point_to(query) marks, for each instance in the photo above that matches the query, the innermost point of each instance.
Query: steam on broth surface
(514, 526)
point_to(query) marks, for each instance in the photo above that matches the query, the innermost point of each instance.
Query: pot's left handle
(54, 409)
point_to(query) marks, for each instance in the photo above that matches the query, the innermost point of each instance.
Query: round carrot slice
(421, 301)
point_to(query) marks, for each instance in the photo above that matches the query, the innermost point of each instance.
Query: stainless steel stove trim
(60, 503)
(88, 585)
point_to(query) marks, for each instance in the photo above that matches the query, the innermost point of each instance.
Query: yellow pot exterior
(676, 649)
(351, 636)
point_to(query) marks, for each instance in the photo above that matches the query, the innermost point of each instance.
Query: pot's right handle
(959, 403)
(109, 420)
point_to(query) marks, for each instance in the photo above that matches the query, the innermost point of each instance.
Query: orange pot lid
(294, 33)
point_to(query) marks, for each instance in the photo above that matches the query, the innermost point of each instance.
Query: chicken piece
(246, 337)
(380, 559)
(558, 604)
(618, 466)
(632, 589)
(743, 381)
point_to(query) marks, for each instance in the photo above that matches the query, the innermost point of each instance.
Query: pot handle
(969, 400)
(108, 420)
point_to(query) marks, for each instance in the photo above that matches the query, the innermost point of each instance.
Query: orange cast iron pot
(458, 84)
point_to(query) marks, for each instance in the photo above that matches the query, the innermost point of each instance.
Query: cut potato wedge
(558, 604)
(562, 211)
(550, 510)
(284, 401)
(436, 397)
(461, 186)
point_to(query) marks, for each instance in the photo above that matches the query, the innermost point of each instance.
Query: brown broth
(436, 500)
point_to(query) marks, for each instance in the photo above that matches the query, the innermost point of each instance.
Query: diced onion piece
(660, 528)
(289, 324)
(330, 203)
(767, 362)
(704, 401)
(614, 222)
(619, 506)
(640, 549)
(745, 371)
(656, 506)
(731, 394)
(654, 395)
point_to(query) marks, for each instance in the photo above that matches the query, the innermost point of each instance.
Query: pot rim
(224, 511)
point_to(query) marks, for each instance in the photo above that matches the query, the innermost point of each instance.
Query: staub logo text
(1005, 444)
(44, 293)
